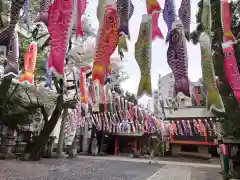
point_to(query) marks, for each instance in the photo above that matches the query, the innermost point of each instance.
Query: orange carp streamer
(106, 44)
(30, 59)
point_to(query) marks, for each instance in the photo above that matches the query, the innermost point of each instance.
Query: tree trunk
(62, 129)
(4, 87)
(42, 139)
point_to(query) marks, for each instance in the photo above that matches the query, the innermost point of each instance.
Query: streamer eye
(175, 36)
(31, 49)
(228, 55)
(170, 12)
(110, 19)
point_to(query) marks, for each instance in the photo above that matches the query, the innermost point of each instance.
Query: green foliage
(235, 8)
(231, 123)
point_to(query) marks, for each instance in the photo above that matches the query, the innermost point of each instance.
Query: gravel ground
(90, 169)
(75, 169)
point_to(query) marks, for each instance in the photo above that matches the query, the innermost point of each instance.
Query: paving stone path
(89, 168)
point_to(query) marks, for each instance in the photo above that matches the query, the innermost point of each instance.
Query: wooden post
(205, 138)
(115, 146)
(135, 146)
(171, 137)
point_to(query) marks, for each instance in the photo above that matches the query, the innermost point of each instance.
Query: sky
(159, 47)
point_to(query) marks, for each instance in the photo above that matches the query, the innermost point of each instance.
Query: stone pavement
(173, 172)
(154, 161)
(101, 168)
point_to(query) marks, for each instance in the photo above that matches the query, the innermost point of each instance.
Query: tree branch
(45, 44)
(4, 87)
(56, 84)
(13, 92)
(70, 104)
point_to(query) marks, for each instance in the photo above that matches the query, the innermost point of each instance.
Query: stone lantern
(8, 144)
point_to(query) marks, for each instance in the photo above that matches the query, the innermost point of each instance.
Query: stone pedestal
(20, 148)
(8, 144)
(49, 147)
(203, 149)
(176, 149)
(73, 150)
(94, 147)
(73, 153)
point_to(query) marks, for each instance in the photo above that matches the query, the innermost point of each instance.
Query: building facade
(164, 99)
